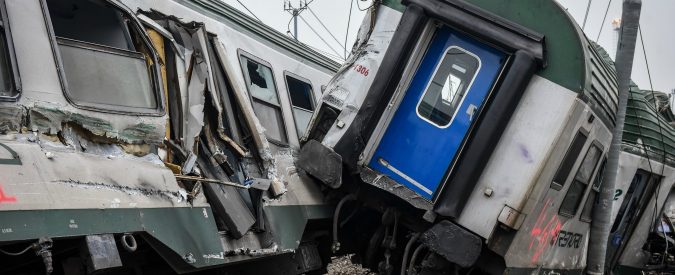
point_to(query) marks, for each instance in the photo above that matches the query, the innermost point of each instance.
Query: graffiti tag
(5, 198)
(544, 233)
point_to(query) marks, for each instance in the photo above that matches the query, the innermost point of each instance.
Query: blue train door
(443, 99)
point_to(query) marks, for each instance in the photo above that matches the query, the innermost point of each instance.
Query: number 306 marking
(362, 70)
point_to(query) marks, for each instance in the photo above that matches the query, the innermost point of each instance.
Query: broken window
(581, 180)
(569, 160)
(448, 86)
(302, 102)
(7, 88)
(106, 62)
(264, 97)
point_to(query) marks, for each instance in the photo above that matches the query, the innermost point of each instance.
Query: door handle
(471, 110)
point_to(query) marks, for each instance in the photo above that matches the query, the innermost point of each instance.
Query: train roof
(580, 65)
(647, 132)
(261, 32)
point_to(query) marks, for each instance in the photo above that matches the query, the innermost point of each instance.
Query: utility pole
(295, 12)
(602, 211)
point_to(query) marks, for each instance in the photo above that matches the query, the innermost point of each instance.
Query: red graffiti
(544, 233)
(4, 198)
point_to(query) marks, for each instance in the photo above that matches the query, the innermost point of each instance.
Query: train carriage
(154, 137)
(478, 131)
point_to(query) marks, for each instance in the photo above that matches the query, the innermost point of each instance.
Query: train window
(448, 86)
(581, 180)
(302, 101)
(568, 161)
(587, 211)
(106, 62)
(8, 89)
(264, 97)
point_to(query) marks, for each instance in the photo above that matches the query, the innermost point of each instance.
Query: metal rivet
(488, 192)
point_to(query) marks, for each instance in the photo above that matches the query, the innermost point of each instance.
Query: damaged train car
(155, 137)
(469, 136)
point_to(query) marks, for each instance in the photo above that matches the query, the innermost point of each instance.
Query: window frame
(599, 173)
(290, 98)
(11, 56)
(589, 184)
(559, 185)
(155, 73)
(431, 79)
(242, 53)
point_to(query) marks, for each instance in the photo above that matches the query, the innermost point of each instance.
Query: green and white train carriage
(99, 97)
(482, 126)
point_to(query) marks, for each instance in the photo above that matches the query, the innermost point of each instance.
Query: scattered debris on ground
(343, 266)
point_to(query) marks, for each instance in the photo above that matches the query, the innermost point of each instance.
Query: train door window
(260, 83)
(448, 86)
(587, 211)
(9, 89)
(569, 160)
(576, 191)
(302, 101)
(637, 200)
(105, 58)
(632, 198)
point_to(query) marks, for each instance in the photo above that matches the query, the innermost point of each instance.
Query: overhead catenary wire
(349, 20)
(603, 20)
(242, 4)
(317, 34)
(326, 28)
(663, 144)
(288, 28)
(651, 88)
(588, 8)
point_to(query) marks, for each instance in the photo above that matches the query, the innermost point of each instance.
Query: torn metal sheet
(195, 102)
(50, 119)
(241, 95)
(11, 118)
(161, 30)
(111, 180)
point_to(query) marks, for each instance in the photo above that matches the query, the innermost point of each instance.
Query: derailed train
(160, 137)
(154, 137)
(470, 136)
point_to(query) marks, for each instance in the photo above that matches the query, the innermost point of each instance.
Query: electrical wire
(651, 88)
(336, 218)
(242, 4)
(17, 253)
(406, 252)
(588, 8)
(663, 144)
(326, 28)
(415, 254)
(603, 20)
(371, 5)
(288, 29)
(317, 34)
(349, 20)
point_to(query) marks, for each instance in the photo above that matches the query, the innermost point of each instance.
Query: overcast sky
(659, 37)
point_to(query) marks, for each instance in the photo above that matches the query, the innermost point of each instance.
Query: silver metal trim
(399, 94)
(404, 176)
(468, 88)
